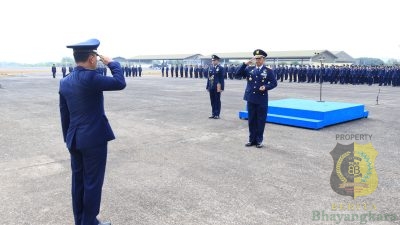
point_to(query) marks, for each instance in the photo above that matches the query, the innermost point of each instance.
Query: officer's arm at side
(64, 116)
(116, 82)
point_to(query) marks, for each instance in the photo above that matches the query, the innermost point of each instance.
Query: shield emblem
(354, 171)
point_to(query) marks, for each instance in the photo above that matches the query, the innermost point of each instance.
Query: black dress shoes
(211, 117)
(249, 144)
(259, 145)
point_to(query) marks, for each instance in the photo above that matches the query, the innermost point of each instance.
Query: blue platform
(311, 114)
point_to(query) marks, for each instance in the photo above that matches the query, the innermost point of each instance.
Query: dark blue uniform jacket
(215, 75)
(82, 106)
(256, 79)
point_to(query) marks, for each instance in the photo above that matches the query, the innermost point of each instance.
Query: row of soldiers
(197, 71)
(133, 71)
(63, 70)
(101, 69)
(342, 74)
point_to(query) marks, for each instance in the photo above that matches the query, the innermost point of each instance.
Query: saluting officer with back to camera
(215, 85)
(260, 80)
(85, 127)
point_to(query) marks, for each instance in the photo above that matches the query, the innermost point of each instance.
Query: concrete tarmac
(170, 164)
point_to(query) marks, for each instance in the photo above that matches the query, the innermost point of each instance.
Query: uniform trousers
(88, 168)
(257, 117)
(215, 98)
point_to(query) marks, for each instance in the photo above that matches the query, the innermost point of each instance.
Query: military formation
(339, 74)
(101, 69)
(333, 74)
(196, 71)
(132, 71)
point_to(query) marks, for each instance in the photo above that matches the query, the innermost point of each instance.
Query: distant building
(279, 57)
(274, 57)
(343, 57)
(186, 59)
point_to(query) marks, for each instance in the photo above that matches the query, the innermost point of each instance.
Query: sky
(38, 31)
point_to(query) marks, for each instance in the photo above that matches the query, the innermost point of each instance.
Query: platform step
(289, 120)
(311, 114)
(270, 115)
(295, 121)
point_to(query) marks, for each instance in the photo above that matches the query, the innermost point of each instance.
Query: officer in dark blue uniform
(201, 70)
(70, 69)
(206, 71)
(54, 70)
(135, 71)
(225, 71)
(186, 71)
(231, 71)
(196, 71)
(162, 70)
(140, 70)
(64, 70)
(177, 71)
(260, 80)
(105, 71)
(215, 85)
(191, 71)
(85, 127)
(181, 70)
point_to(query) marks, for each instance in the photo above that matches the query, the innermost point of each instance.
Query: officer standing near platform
(260, 80)
(85, 127)
(215, 85)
